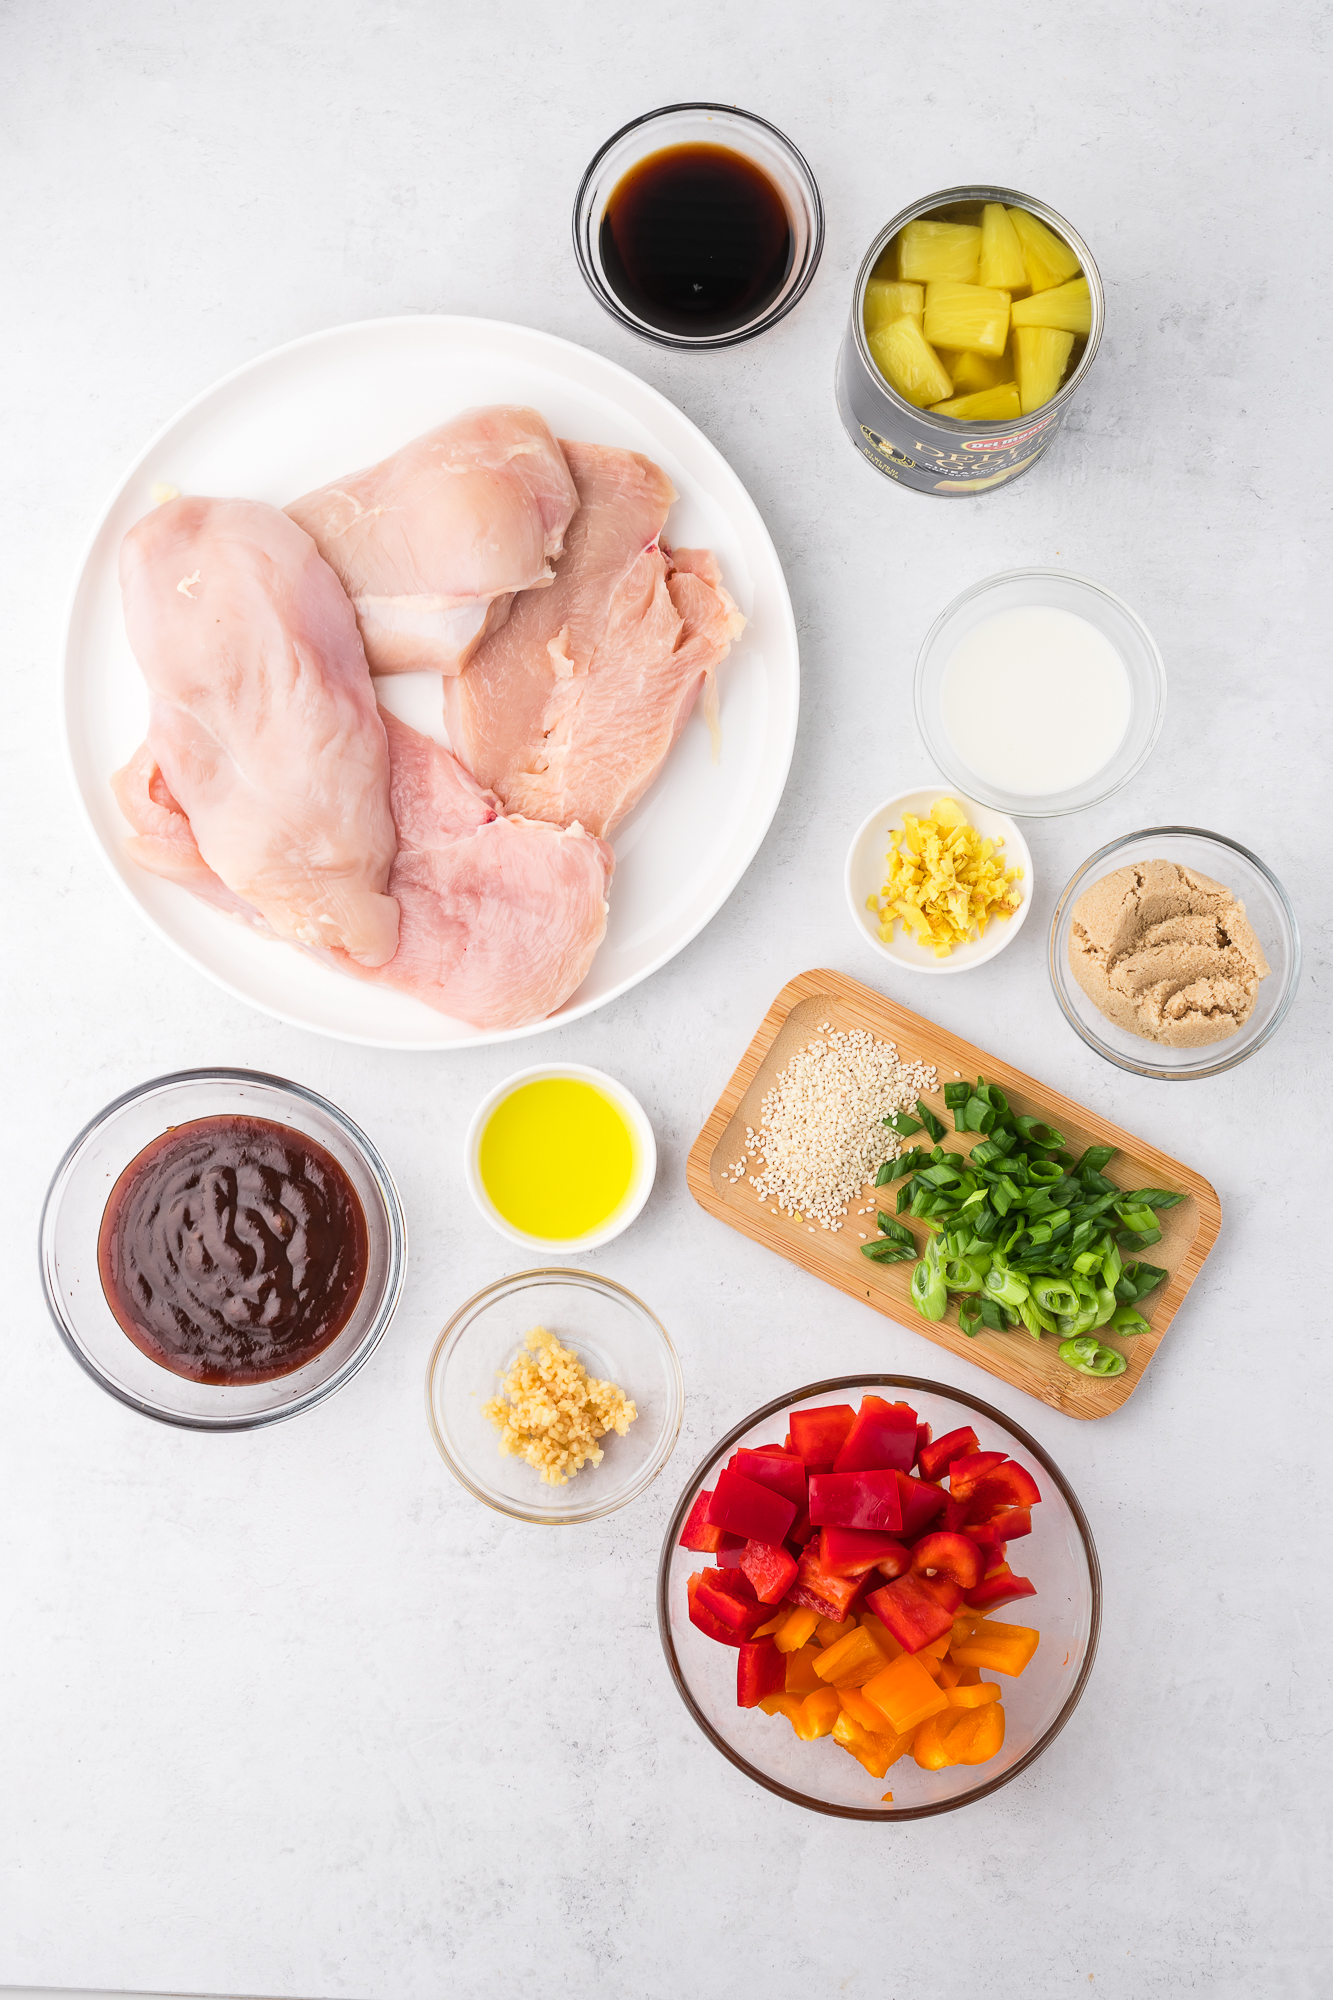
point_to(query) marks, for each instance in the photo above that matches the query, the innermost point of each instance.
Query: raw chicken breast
(500, 917)
(432, 544)
(163, 841)
(263, 729)
(570, 709)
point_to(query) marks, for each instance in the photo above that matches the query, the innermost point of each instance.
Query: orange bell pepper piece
(798, 1626)
(854, 1703)
(976, 1696)
(801, 1676)
(935, 1744)
(905, 1692)
(851, 1661)
(767, 1631)
(875, 1750)
(950, 1672)
(1005, 1649)
(782, 1704)
(889, 1649)
(818, 1714)
(987, 1739)
(828, 1631)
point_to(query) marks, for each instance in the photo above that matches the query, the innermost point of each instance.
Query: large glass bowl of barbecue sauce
(698, 225)
(222, 1249)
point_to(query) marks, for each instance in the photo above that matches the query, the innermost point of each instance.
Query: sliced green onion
(903, 1123)
(1091, 1358)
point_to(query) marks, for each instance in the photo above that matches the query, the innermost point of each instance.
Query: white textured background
(290, 1714)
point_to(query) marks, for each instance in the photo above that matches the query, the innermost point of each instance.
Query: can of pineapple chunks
(952, 455)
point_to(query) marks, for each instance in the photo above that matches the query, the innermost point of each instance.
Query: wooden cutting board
(1188, 1230)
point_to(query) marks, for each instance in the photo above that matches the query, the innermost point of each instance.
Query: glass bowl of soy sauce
(698, 225)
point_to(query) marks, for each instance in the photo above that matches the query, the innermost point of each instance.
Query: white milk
(1035, 700)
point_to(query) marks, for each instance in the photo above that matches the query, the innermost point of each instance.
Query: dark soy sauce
(696, 240)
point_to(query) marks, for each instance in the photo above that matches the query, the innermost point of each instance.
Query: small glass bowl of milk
(1038, 692)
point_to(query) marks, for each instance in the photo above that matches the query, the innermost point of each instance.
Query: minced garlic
(556, 1410)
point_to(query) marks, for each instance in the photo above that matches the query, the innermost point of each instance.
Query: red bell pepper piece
(816, 1588)
(855, 1500)
(967, 1470)
(773, 1469)
(1009, 1485)
(910, 1612)
(920, 1502)
(936, 1458)
(761, 1670)
(731, 1620)
(884, 1434)
(853, 1551)
(735, 1582)
(951, 1555)
(1001, 1588)
(953, 1518)
(943, 1589)
(749, 1509)
(729, 1555)
(771, 1571)
(988, 1539)
(818, 1434)
(800, 1531)
(1008, 1524)
(697, 1533)
(922, 1440)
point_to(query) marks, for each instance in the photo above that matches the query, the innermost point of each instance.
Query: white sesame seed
(821, 1135)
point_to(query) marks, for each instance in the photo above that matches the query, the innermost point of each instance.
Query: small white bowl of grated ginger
(936, 882)
(555, 1396)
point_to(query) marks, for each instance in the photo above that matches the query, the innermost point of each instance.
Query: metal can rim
(950, 427)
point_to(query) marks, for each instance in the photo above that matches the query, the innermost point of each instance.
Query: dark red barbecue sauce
(696, 240)
(232, 1250)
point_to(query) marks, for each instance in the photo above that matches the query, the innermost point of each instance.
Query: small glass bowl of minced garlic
(555, 1396)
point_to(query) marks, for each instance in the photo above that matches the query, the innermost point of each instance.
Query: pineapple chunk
(1068, 307)
(1001, 252)
(1040, 355)
(1047, 258)
(987, 406)
(909, 365)
(966, 316)
(971, 372)
(929, 250)
(888, 299)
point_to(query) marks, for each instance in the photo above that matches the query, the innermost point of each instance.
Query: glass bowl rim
(1156, 1070)
(984, 794)
(594, 1281)
(395, 1276)
(1029, 1443)
(607, 298)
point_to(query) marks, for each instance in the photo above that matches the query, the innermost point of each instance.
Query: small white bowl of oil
(868, 865)
(560, 1158)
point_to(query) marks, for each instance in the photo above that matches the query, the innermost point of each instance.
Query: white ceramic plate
(341, 399)
(867, 867)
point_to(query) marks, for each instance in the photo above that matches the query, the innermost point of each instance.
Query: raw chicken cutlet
(263, 733)
(432, 543)
(568, 712)
(501, 917)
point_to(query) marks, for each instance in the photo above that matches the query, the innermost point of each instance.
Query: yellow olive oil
(557, 1158)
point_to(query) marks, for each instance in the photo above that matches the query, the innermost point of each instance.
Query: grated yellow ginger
(944, 879)
(556, 1410)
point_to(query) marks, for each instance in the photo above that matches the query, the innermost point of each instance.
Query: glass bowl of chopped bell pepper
(879, 1598)
(557, 1327)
